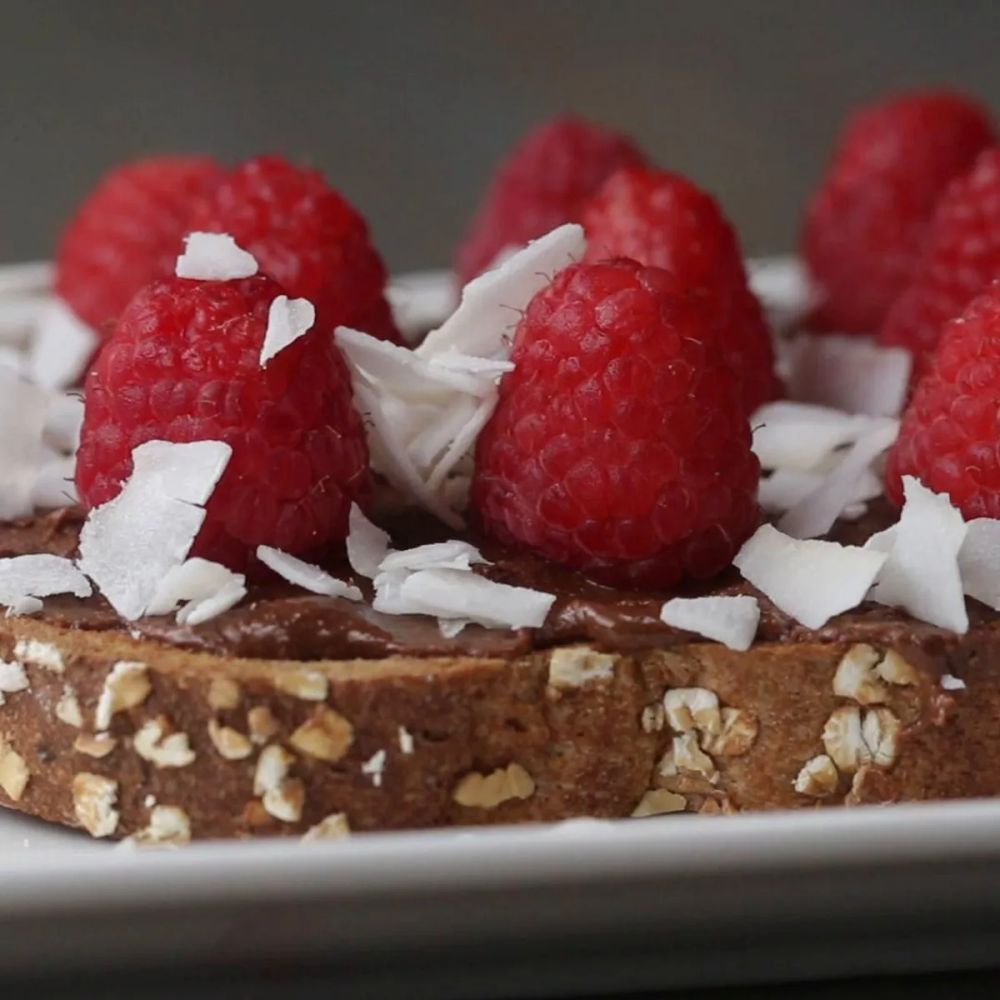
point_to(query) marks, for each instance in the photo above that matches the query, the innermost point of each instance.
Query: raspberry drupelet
(618, 445)
(184, 365)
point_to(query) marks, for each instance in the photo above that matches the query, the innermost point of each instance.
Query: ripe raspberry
(662, 220)
(618, 445)
(127, 232)
(961, 258)
(184, 365)
(950, 438)
(865, 226)
(541, 184)
(305, 236)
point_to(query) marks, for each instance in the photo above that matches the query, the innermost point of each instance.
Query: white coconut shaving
(979, 561)
(54, 484)
(421, 301)
(453, 554)
(850, 373)
(214, 257)
(783, 287)
(785, 488)
(287, 320)
(63, 422)
(305, 575)
(130, 544)
(426, 407)
(200, 589)
(367, 543)
(921, 573)
(23, 607)
(30, 278)
(23, 409)
(809, 580)
(35, 576)
(61, 348)
(732, 621)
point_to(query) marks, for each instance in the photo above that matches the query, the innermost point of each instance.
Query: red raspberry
(865, 226)
(961, 258)
(127, 233)
(305, 236)
(541, 184)
(618, 445)
(662, 220)
(184, 365)
(950, 438)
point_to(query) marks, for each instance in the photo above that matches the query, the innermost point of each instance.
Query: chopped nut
(334, 827)
(14, 774)
(326, 736)
(94, 799)
(693, 708)
(842, 737)
(157, 744)
(653, 718)
(223, 694)
(39, 654)
(577, 665)
(309, 685)
(896, 670)
(880, 737)
(96, 745)
(856, 676)
(261, 723)
(487, 791)
(719, 805)
(405, 740)
(126, 686)
(817, 778)
(659, 802)
(12, 678)
(286, 801)
(168, 826)
(68, 709)
(272, 768)
(739, 730)
(687, 757)
(230, 743)
(282, 797)
(872, 785)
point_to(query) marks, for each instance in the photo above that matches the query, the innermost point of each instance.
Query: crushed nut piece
(169, 826)
(272, 768)
(156, 743)
(334, 827)
(223, 694)
(14, 773)
(12, 678)
(685, 756)
(39, 654)
(261, 723)
(693, 708)
(577, 665)
(94, 799)
(326, 736)
(880, 735)
(125, 687)
(286, 801)
(659, 802)
(817, 778)
(856, 676)
(487, 791)
(68, 709)
(842, 737)
(653, 718)
(231, 744)
(96, 745)
(895, 670)
(309, 685)
(282, 797)
(739, 730)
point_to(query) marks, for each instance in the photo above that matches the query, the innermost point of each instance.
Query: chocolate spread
(277, 621)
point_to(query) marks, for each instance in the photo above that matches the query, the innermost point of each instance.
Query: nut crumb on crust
(223, 694)
(851, 739)
(68, 709)
(880, 733)
(842, 738)
(287, 801)
(659, 802)
(737, 735)
(896, 670)
(12, 678)
(95, 744)
(282, 797)
(309, 685)
(574, 666)
(230, 743)
(818, 777)
(487, 791)
(327, 735)
(14, 773)
(94, 799)
(333, 827)
(169, 826)
(158, 744)
(40, 654)
(685, 756)
(126, 686)
(653, 718)
(856, 676)
(693, 708)
(261, 723)
(272, 768)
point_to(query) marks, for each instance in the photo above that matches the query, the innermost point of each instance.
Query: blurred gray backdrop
(406, 105)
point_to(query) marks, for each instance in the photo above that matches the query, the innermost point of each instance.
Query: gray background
(407, 104)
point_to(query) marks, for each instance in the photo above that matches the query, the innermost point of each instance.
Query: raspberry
(541, 184)
(662, 220)
(127, 233)
(865, 226)
(949, 437)
(962, 256)
(184, 365)
(305, 236)
(618, 445)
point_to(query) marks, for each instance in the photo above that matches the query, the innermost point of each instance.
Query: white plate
(585, 905)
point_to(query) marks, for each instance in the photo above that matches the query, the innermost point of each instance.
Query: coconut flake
(421, 301)
(979, 561)
(23, 606)
(305, 575)
(287, 320)
(921, 573)
(367, 544)
(40, 576)
(214, 257)
(30, 278)
(130, 544)
(23, 409)
(801, 436)
(730, 620)
(204, 588)
(783, 287)
(54, 484)
(64, 421)
(61, 348)
(809, 580)
(453, 554)
(850, 373)
(450, 628)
